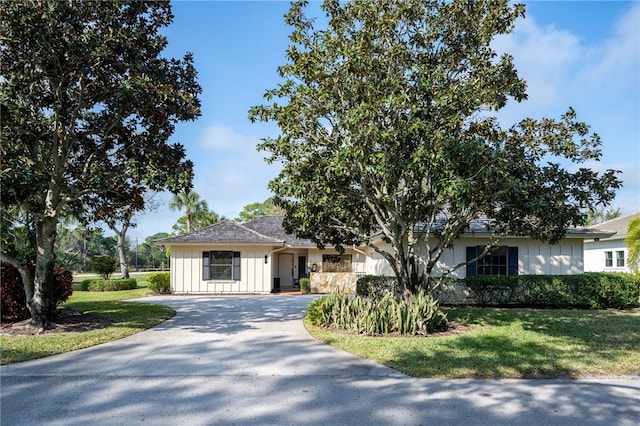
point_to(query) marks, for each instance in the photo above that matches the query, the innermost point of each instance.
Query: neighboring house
(609, 253)
(259, 257)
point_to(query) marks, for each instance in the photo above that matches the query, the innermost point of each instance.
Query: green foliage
(77, 245)
(256, 210)
(632, 241)
(88, 99)
(376, 286)
(378, 315)
(305, 285)
(387, 125)
(593, 290)
(601, 215)
(112, 285)
(159, 282)
(84, 284)
(104, 265)
(197, 214)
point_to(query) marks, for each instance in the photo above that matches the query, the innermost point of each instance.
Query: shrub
(388, 314)
(105, 266)
(376, 286)
(305, 285)
(593, 290)
(13, 300)
(84, 284)
(112, 285)
(64, 285)
(495, 290)
(159, 282)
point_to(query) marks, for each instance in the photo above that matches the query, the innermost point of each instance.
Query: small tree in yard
(88, 103)
(632, 241)
(104, 266)
(387, 127)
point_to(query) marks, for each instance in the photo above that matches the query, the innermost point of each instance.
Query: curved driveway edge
(248, 360)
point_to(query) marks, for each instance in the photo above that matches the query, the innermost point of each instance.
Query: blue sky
(584, 54)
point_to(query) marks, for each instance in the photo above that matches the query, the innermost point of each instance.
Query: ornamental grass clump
(388, 314)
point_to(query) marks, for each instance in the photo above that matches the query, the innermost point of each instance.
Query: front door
(285, 269)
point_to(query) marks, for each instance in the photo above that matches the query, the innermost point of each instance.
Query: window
(221, 265)
(501, 260)
(620, 259)
(608, 259)
(336, 263)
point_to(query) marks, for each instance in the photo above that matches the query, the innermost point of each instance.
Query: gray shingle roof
(265, 230)
(268, 230)
(272, 226)
(618, 225)
(223, 232)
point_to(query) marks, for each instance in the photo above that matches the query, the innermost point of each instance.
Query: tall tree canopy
(387, 126)
(195, 210)
(257, 209)
(88, 104)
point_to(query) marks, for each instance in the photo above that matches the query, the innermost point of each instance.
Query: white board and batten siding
(534, 258)
(186, 271)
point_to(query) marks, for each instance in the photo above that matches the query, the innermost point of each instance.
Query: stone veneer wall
(325, 282)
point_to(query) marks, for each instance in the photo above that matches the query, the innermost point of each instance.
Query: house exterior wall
(255, 274)
(534, 258)
(594, 255)
(359, 259)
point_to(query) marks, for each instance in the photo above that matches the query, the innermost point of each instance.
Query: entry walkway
(248, 360)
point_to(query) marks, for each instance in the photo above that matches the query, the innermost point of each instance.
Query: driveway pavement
(248, 360)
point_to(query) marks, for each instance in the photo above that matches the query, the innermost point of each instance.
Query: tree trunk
(122, 255)
(41, 305)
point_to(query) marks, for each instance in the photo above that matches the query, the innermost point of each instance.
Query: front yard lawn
(124, 318)
(509, 343)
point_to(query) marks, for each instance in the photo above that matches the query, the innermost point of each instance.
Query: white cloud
(614, 64)
(236, 174)
(544, 57)
(219, 136)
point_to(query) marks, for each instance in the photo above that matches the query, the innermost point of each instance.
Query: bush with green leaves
(113, 285)
(388, 314)
(376, 285)
(592, 290)
(305, 285)
(104, 266)
(159, 282)
(84, 284)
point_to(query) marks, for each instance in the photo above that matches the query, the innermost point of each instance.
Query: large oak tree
(89, 103)
(387, 127)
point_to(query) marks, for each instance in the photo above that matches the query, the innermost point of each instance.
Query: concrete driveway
(248, 360)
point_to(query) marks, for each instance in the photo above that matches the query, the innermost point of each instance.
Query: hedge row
(592, 290)
(109, 285)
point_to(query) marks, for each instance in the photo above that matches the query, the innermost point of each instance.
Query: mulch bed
(67, 321)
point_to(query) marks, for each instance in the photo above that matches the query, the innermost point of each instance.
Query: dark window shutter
(206, 270)
(236, 266)
(471, 266)
(512, 261)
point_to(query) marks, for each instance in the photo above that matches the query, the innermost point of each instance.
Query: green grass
(126, 318)
(510, 343)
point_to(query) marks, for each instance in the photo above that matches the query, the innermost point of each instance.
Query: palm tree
(191, 202)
